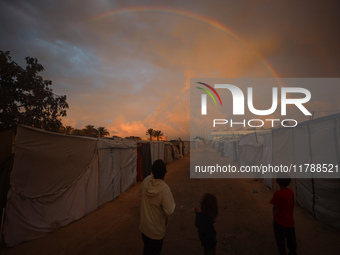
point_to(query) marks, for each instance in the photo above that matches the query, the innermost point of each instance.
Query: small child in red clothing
(283, 208)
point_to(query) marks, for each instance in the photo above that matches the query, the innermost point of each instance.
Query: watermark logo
(204, 97)
(238, 99)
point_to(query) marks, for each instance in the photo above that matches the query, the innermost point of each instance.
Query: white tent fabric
(283, 147)
(248, 139)
(117, 168)
(186, 147)
(250, 150)
(157, 150)
(250, 155)
(128, 167)
(230, 149)
(267, 158)
(54, 181)
(168, 157)
(154, 151)
(176, 151)
(161, 150)
(316, 141)
(181, 148)
(327, 197)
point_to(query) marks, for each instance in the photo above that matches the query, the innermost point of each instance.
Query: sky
(126, 65)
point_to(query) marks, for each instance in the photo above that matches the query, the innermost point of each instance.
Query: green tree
(90, 130)
(158, 134)
(26, 98)
(150, 132)
(102, 131)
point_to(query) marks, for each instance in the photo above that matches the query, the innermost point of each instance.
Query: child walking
(283, 208)
(205, 219)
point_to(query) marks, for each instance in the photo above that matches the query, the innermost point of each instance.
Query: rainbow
(193, 16)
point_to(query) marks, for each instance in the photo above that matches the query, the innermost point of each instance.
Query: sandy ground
(244, 224)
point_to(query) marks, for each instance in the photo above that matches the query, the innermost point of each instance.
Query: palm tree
(90, 130)
(77, 131)
(158, 134)
(102, 131)
(68, 130)
(150, 132)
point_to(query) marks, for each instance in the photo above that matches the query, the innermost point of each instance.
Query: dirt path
(244, 224)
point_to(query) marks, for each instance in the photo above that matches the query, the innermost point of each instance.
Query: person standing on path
(204, 221)
(157, 203)
(283, 208)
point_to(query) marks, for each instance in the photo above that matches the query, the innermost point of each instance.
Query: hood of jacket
(154, 187)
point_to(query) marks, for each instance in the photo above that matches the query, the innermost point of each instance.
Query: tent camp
(313, 142)
(57, 179)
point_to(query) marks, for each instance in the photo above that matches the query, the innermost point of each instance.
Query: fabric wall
(230, 149)
(117, 168)
(267, 158)
(6, 163)
(145, 151)
(154, 151)
(109, 171)
(283, 146)
(168, 154)
(186, 147)
(161, 149)
(318, 142)
(250, 155)
(139, 164)
(128, 167)
(54, 181)
(6, 138)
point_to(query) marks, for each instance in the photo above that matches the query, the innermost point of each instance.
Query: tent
(6, 162)
(145, 154)
(168, 153)
(186, 146)
(57, 179)
(267, 156)
(313, 142)
(250, 150)
(117, 168)
(54, 181)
